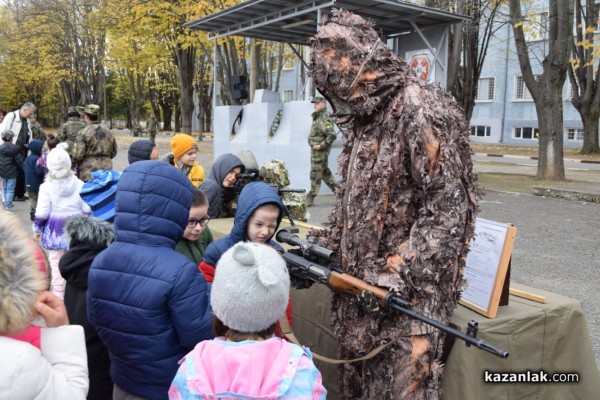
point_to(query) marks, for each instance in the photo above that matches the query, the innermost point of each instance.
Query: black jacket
(11, 160)
(89, 236)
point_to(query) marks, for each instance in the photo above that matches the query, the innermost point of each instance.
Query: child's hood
(65, 187)
(223, 164)
(255, 369)
(253, 196)
(36, 147)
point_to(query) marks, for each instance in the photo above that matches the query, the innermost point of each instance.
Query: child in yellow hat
(185, 151)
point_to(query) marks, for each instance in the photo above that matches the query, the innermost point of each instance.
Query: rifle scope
(284, 236)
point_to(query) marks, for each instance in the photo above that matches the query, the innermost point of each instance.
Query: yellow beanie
(181, 144)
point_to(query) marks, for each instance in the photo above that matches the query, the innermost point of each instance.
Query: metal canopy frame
(284, 21)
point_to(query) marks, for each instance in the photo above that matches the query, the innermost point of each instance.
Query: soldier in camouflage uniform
(275, 124)
(36, 129)
(69, 130)
(152, 128)
(274, 172)
(95, 145)
(320, 139)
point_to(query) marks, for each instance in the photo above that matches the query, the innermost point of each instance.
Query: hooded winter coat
(212, 187)
(34, 174)
(149, 304)
(53, 366)
(268, 369)
(58, 200)
(89, 236)
(253, 195)
(10, 160)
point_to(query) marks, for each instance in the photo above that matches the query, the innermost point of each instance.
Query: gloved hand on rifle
(369, 304)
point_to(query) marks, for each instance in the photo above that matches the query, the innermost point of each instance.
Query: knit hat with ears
(251, 289)
(58, 162)
(182, 143)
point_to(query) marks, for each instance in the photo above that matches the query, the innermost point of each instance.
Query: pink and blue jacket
(269, 369)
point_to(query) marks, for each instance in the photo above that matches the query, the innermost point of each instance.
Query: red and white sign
(420, 65)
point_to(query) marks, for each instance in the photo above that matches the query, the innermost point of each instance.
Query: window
(485, 89)
(575, 134)
(521, 91)
(479, 130)
(526, 133)
(536, 27)
(288, 95)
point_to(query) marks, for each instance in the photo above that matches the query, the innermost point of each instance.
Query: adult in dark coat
(149, 304)
(89, 236)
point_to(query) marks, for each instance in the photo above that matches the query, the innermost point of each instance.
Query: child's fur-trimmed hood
(90, 230)
(20, 280)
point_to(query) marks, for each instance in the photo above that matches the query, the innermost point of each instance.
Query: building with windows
(504, 110)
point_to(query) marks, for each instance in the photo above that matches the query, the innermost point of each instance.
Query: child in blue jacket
(34, 174)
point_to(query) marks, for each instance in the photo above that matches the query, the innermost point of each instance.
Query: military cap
(92, 109)
(317, 99)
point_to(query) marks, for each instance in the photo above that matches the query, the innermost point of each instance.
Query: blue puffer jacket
(149, 304)
(253, 195)
(34, 175)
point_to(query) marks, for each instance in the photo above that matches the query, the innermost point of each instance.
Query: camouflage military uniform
(323, 134)
(274, 172)
(68, 132)
(275, 124)
(95, 147)
(152, 128)
(37, 132)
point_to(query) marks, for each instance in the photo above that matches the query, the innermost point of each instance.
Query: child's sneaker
(9, 208)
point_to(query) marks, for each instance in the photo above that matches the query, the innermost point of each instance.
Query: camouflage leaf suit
(95, 147)
(321, 133)
(68, 132)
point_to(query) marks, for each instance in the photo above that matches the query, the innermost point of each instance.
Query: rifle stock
(305, 268)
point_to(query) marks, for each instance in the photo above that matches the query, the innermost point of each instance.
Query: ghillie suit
(274, 172)
(405, 209)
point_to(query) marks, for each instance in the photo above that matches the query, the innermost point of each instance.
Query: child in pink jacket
(249, 294)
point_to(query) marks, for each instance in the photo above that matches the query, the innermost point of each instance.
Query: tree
(468, 49)
(582, 74)
(546, 89)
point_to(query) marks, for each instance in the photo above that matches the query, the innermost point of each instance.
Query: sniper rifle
(305, 266)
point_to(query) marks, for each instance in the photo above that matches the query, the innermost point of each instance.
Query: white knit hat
(59, 162)
(251, 288)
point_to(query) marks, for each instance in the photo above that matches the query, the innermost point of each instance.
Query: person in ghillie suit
(405, 209)
(34, 174)
(320, 139)
(95, 145)
(89, 236)
(69, 130)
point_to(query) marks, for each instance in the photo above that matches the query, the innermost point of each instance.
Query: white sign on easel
(487, 264)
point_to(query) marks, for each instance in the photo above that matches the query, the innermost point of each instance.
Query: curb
(566, 194)
(535, 158)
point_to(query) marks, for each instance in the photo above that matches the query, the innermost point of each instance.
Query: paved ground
(557, 247)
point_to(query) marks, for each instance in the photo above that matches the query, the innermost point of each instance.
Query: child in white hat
(58, 200)
(249, 294)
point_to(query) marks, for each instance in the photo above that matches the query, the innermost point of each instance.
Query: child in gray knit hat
(249, 294)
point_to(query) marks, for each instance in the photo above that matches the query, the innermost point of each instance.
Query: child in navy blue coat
(34, 174)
